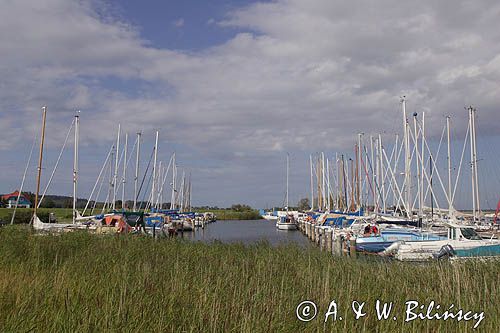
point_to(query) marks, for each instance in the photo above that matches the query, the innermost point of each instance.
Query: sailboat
(37, 223)
(287, 221)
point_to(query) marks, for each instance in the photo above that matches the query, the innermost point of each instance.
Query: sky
(232, 86)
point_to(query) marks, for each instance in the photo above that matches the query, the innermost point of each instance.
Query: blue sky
(180, 25)
(233, 86)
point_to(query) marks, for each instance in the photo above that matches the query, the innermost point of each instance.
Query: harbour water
(246, 232)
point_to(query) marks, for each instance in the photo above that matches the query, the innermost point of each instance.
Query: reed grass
(78, 282)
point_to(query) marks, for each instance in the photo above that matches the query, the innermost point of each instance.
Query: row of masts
(373, 176)
(180, 198)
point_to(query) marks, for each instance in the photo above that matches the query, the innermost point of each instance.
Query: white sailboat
(286, 222)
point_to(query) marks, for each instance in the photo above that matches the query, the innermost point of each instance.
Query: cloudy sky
(232, 85)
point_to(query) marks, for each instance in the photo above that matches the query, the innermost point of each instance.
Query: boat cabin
(462, 232)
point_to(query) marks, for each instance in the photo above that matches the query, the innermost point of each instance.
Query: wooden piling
(337, 247)
(352, 247)
(329, 234)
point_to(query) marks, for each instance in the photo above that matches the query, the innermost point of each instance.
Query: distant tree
(304, 204)
(241, 208)
(48, 203)
(68, 203)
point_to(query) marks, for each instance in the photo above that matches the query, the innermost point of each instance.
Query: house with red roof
(12, 198)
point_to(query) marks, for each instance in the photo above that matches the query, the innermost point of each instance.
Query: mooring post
(329, 233)
(337, 247)
(352, 249)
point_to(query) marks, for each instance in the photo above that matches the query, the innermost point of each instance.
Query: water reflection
(246, 232)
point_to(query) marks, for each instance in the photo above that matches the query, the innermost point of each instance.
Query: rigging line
(144, 196)
(97, 196)
(126, 165)
(144, 178)
(24, 178)
(98, 179)
(436, 158)
(366, 172)
(460, 165)
(57, 163)
(371, 169)
(164, 180)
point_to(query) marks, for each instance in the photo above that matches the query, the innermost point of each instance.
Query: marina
(249, 166)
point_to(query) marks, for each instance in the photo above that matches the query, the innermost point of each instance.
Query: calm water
(246, 232)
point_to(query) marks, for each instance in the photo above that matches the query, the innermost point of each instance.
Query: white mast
(312, 183)
(450, 203)
(124, 175)
(475, 181)
(323, 180)
(406, 139)
(174, 171)
(472, 165)
(422, 167)
(75, 164)
(419, 189)
(136, 176)
(360, 190)
(396, 160)
(373, 175)
(287, 175)
(116, 167)
(328, 191)
(382, 180)
(154, 170)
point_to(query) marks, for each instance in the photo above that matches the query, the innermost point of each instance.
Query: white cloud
(178, 23)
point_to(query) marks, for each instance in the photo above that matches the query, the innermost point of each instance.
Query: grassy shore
(227, 214)
(77, 282)
(23, 215)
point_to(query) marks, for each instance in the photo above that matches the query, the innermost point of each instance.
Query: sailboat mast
(154, 170)
(478, 207)
(406, 139)
(174, 171)
(40, 159)
(358, 173)
(382, 180)
(136, 176)
(422, 167)
(450, 204)
(328, 191)
(344, 182)
(115, 176)
(472, 165)
(416, 136)
(287, 175)
(312, 183)
(75, 164)
(124, 176)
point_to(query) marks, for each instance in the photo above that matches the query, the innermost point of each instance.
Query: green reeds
(78, 282)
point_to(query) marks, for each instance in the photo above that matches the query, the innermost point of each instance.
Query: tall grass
(77, 282)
